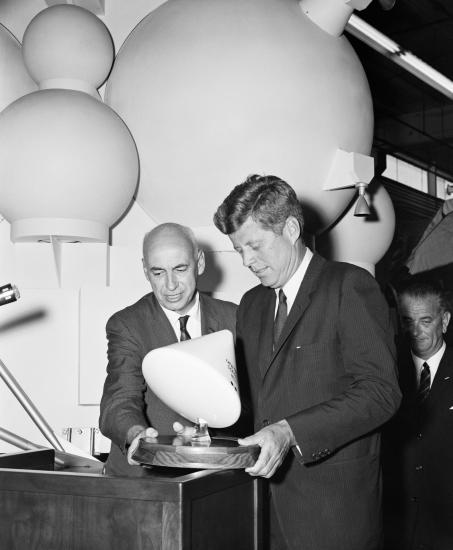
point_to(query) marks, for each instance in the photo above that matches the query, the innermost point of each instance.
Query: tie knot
(425, 366)
(183, 321)
(281, 297)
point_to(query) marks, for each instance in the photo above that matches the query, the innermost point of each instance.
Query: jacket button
(419, 468)
(414, 499)
(419, 436)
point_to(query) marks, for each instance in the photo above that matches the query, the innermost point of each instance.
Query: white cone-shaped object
(197, 378)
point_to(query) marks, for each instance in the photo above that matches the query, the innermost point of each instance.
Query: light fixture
(361, 207)
(391, 49)
(350, 169)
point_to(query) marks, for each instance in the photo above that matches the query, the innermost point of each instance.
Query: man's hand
(275, 441)
(183, 434)
(183, 431)
(147, 432)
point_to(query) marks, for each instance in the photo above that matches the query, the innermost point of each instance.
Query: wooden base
(176, 452)
(167, 510)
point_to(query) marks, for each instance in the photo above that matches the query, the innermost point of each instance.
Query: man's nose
(171, 282)
(247, 258)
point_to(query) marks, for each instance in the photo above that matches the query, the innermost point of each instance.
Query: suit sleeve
(366, 362)
(122, 403)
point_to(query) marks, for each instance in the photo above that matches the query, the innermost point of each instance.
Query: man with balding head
(173, 311)
(418, 482)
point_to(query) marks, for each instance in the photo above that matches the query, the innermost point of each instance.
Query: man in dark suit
(418, 473)
(175, 310)
(321, 367)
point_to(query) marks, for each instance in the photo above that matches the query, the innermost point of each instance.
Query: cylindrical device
(8, 293)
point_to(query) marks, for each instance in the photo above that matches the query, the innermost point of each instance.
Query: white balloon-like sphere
(214, 91)
(68, 166)
(14, 78)
(66, 42)
(362, 240)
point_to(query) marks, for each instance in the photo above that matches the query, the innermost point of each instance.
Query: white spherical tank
(362, 240)
(68, 166)
(68, 163)
(215, 90)
(14, 78)
(68, 42)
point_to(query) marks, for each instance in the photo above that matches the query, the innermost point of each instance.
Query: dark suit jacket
(419, 462)
(127, 400)
(332, 376)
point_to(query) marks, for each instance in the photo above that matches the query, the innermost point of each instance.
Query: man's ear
(145, 269)
(291, 229)
(201, 264)
(445, 320)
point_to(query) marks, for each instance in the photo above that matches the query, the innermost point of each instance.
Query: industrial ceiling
(412, 120)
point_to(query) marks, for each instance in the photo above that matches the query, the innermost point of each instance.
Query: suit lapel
(265, 317)
(300, 305)
(209, 319)
(444, 376)
(161, 326)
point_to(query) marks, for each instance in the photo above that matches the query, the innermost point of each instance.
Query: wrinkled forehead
(169, 249)
(420, 306)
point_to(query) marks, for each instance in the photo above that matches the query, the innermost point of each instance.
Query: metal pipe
(24, 444)
(31, 410)
(17, 441)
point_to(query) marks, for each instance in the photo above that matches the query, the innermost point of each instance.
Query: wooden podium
(171, 509)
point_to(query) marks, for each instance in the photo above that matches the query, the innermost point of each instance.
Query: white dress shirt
(193, 322)
(291, 287)
(433, 363)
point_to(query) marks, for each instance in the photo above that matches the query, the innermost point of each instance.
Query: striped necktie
(425, 384)
(182, 325)
(280, 318)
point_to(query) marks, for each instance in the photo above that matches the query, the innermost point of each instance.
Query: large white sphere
(362, 240)
(14, 78)
(214, 90)
(68, 166)
(67, 42)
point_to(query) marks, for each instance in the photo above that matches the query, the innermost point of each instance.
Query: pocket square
(451, 409)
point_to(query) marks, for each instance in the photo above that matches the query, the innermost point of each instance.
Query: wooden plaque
(221, 453)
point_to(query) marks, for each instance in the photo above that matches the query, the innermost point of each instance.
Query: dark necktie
(182, 325)
(425, 384)
(280, 318)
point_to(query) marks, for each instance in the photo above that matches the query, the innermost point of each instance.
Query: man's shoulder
(448, 355)
(341, 268)
(256, 293)
(133, 311)
(217, 304)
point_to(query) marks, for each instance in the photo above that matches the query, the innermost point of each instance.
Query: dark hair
(425, 289)
(267, 199)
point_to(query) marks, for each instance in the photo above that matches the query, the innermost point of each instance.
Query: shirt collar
(433, 361)
(194, 312)
(291, 287)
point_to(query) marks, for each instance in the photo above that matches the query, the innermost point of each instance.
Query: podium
(171, 509)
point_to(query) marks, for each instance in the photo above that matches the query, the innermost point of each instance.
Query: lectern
(170, 509)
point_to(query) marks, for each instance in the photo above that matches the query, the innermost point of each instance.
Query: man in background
(317, 342)
(174, 311)
(418, 482)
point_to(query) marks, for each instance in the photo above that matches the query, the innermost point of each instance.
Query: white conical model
(197, 378)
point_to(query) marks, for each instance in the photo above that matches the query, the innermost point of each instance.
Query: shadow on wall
(22, 320)
(213, 275)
